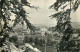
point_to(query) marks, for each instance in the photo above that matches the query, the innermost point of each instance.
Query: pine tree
(13, 6)
(63, 21)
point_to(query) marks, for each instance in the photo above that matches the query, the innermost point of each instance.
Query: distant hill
(44, 25)
(75, 24)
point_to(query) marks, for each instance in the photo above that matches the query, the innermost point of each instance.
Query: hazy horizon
(41, 16)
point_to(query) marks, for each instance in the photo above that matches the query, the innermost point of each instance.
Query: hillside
(75, 24)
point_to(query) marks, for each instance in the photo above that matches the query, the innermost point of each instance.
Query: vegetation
(7, 7)
(63, 21)
(16, 7)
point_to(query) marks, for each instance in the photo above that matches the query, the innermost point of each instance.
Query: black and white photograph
(39, 25)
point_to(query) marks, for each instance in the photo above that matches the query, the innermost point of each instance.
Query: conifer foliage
(63, 21)
(16, 7)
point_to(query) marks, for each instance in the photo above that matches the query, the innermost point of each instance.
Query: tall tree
(63, 21)
(13, 6)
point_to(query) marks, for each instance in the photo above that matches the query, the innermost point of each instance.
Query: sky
(41, 16)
